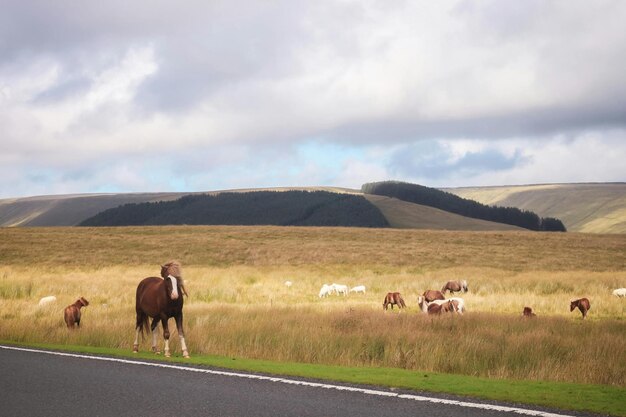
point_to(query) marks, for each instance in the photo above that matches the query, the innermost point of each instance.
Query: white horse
(460, 303)
(325, 290)
(358, 289)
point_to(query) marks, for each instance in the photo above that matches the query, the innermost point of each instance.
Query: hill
(432, 197)
(404, 215)
(588, 208)
(287, 208)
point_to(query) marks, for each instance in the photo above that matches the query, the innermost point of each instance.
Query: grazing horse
(459, 304)
(450, 306)
(582, 304)
(528, 313)
(393, 298)
(161, 299)
(72, 312)
(455, 286)
(432, 295)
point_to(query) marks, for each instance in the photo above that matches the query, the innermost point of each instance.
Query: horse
(72, 312)
(528, 313)
(393, 298)
(432, 295)
(455, 286)
(161, 299)
(450, 306)
(459, 303)
(582, 304)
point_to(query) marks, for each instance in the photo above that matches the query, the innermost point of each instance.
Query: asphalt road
(34, 383)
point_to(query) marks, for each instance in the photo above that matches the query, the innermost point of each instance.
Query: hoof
(186, 355)
(167, 354)
(135, 348)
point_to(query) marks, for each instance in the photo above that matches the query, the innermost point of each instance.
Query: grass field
(239, 306)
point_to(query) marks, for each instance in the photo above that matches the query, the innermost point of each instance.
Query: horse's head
(464, 285)
(83, 301)
(173, 269)
(573, 304)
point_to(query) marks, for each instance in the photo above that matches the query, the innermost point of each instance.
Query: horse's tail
(142, 323)
(401, 300)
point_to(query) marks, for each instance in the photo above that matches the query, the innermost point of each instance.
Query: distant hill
(404, 215)
(588, 208)
(287, 208)
(432, 197)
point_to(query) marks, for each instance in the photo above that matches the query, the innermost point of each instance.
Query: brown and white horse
(582, 304)
(455, 286)
(72, 312)
(528, 312)
(450, 306)
(393, 298)
(161, 299)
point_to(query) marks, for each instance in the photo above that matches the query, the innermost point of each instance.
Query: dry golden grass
(240, 307)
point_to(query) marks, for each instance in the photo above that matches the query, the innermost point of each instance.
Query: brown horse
(161, 299)
(455, 286)
(528, 312)
(393, 298)
(451, 306)
(582, 304)
(72, 312)
(432, 295)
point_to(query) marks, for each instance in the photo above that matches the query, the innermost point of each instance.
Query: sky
(137, 96)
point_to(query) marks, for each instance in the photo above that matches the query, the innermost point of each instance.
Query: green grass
(566, 396)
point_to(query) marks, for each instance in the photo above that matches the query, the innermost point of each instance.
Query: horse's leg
(181, 334)
(166, 336)
(154, 330)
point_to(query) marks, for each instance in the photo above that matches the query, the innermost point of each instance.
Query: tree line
(286, 208)
(433, 197)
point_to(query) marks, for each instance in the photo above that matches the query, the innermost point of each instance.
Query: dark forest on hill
(287, 208)
(442, 200)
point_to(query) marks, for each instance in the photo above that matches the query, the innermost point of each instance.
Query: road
(41, 383)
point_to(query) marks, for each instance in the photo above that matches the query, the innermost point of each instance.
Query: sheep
(47, 300)
(620, 292)
(358, 289)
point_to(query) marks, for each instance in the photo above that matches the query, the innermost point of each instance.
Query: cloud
(218, 94)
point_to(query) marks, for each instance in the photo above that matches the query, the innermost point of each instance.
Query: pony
(449, 306)
(161, 299)
(528, 313)
(455, 286)
(458, 303)
(72, 312)
(432, 295)
(582, 304)
(393, 298)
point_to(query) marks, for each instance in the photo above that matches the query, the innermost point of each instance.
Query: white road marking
(303, 383)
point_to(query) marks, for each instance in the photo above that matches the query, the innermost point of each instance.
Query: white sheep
(339, 289)
(47, 300)
(358, 289)
(325, 290)
(288, 284)
(620, 292)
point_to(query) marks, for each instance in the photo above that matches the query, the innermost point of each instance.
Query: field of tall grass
(239, 306)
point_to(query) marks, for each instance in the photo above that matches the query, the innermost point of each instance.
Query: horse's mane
(174, 269)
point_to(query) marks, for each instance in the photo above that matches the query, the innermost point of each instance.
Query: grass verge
(566, 396)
